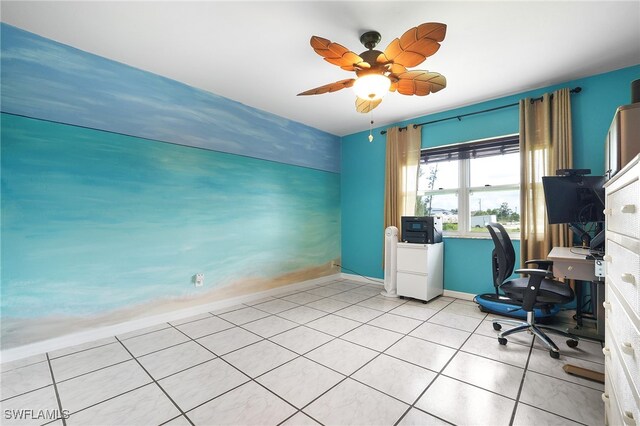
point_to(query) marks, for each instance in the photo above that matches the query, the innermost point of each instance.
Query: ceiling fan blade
(415, 45)
(337, 54)
(365, 105)
(328, 88)
(420, 83)
(397, 69)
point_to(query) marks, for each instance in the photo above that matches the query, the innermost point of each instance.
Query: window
(471, 184)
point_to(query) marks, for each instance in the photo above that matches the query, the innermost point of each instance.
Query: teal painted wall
(467, 266)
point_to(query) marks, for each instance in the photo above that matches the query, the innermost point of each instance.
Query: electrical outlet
(198, 280)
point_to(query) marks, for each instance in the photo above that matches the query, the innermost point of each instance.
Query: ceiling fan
(380, 72)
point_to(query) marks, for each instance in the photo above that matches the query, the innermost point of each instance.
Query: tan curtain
(545, 146)
(401, 174)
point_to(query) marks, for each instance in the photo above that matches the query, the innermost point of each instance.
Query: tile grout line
(169, 325)
(55, 388)
(438, 374)
(554, 414)
(25, 392)
(156, 382)
(349, 376)
(251, 379)
(109, 398)
(522, 380)
(93, 371)
(404, 335)
(170, 420)
(81, 350)
(303, 355)
(568, 381)
(117, 340)
(298, 356)
(21, 366)
(207, 335)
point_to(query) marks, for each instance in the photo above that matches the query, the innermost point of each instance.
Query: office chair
(539, 290)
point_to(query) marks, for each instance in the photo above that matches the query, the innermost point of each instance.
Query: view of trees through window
(470, 192)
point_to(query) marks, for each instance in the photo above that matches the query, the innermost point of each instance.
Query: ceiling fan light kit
(371, 86)
(380, 72)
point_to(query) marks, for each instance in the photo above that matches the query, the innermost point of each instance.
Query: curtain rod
(459, 117)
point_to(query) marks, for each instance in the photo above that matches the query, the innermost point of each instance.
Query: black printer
(420, 229)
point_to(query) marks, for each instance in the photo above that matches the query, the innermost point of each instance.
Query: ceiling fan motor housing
(370, 39)
(371, 56)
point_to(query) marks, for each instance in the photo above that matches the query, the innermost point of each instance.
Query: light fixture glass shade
(371, 86)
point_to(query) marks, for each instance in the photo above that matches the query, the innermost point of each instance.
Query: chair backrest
(503, 256)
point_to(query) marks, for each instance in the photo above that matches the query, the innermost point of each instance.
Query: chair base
(502, 305)
(535, 329)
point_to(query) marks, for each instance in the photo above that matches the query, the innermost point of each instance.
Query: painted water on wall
(49, 80)
(118, 185)
(93, 221)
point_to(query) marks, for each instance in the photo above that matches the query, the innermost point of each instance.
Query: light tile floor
(335, 354)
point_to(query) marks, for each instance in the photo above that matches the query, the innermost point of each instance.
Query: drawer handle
(606, 305)
(628, 208)
(606, 351)
(627, 348)
(606, 212)
(628, 278)
(628, 418)
(605, 398)
(607, 258)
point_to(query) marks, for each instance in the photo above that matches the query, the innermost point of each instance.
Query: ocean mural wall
(110, 203)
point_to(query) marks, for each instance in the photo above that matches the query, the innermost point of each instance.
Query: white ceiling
(258, 53)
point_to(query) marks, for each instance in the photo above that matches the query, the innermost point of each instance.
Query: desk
(572, 263)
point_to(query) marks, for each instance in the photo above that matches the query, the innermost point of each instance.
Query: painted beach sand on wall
(20, 331)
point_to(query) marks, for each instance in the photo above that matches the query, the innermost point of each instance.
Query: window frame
(464, 191)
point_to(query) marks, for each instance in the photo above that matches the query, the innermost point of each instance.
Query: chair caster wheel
(572, 343)
(502, 340)
(497, 327)
(554, 355)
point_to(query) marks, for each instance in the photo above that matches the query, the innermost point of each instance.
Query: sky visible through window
(495, 170)
(487, 201)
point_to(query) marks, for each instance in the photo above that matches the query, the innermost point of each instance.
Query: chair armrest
(538, 272)
(542, 263)
(536, 276)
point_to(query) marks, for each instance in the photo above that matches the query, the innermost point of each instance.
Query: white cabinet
(622, 299)
(420, 270)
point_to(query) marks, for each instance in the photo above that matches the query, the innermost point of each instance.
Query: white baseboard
(374, 281)
(369, 280)
(458, 295)
(361, 279)
(78, 338)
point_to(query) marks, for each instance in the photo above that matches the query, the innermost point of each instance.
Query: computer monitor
(574, 198)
